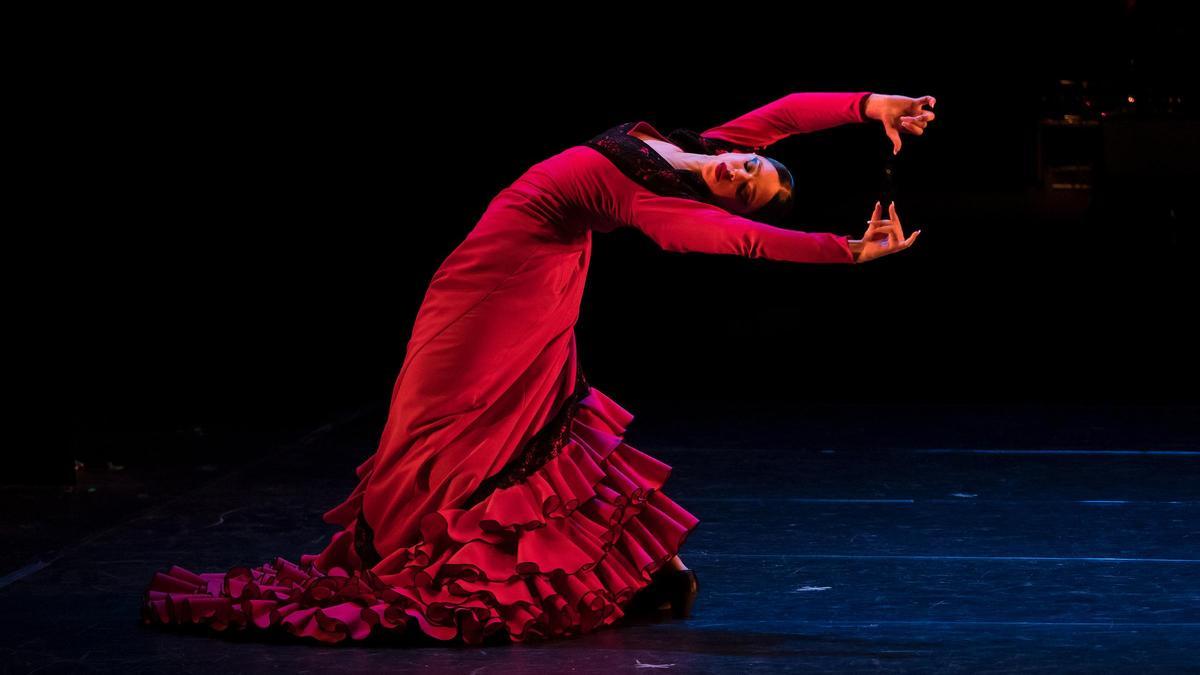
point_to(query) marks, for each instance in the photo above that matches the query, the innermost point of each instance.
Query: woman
(502, 498)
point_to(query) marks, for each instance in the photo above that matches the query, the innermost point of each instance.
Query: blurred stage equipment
(1068, 146)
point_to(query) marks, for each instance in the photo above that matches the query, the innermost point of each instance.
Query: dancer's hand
(900, 113)
(883, 237)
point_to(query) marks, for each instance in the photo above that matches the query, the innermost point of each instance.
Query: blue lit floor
(821, 548)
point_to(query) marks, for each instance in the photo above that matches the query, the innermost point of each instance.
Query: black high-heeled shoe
(681, 589)
(670, 590)
(684, 589)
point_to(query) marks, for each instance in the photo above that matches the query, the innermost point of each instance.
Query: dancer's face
(741, 182)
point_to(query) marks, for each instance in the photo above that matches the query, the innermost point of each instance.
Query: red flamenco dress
(502, 496)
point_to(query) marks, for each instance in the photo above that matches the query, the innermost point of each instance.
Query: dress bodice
(641, 163)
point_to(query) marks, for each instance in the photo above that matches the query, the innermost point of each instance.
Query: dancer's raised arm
(797, 113)
(802, 113)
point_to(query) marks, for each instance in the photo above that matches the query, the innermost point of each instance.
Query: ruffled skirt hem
(558, 554)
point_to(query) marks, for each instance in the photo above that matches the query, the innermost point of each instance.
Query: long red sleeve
(793, 114)
(686, 225)
(594, 192)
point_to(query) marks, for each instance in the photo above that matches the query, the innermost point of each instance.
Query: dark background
(256, 206)
(226, 223)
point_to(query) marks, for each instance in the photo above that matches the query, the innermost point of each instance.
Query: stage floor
(831, 540)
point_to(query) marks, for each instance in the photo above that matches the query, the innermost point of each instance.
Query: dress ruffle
(556, 555)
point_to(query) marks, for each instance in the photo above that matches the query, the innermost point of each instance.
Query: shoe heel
(685, 589)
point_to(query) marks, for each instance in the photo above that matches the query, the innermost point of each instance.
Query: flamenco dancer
(502, 499)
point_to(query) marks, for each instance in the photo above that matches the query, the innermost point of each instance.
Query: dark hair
(780, 205)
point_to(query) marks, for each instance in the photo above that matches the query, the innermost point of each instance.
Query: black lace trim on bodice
(540, 449)
(642, 164)
(691, 141)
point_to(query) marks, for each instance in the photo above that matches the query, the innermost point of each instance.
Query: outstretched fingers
(916, 124)
(896, 218)
(893, 133)
(888, 235)
(893, 220)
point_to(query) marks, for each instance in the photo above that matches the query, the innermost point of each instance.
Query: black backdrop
(256, 206)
